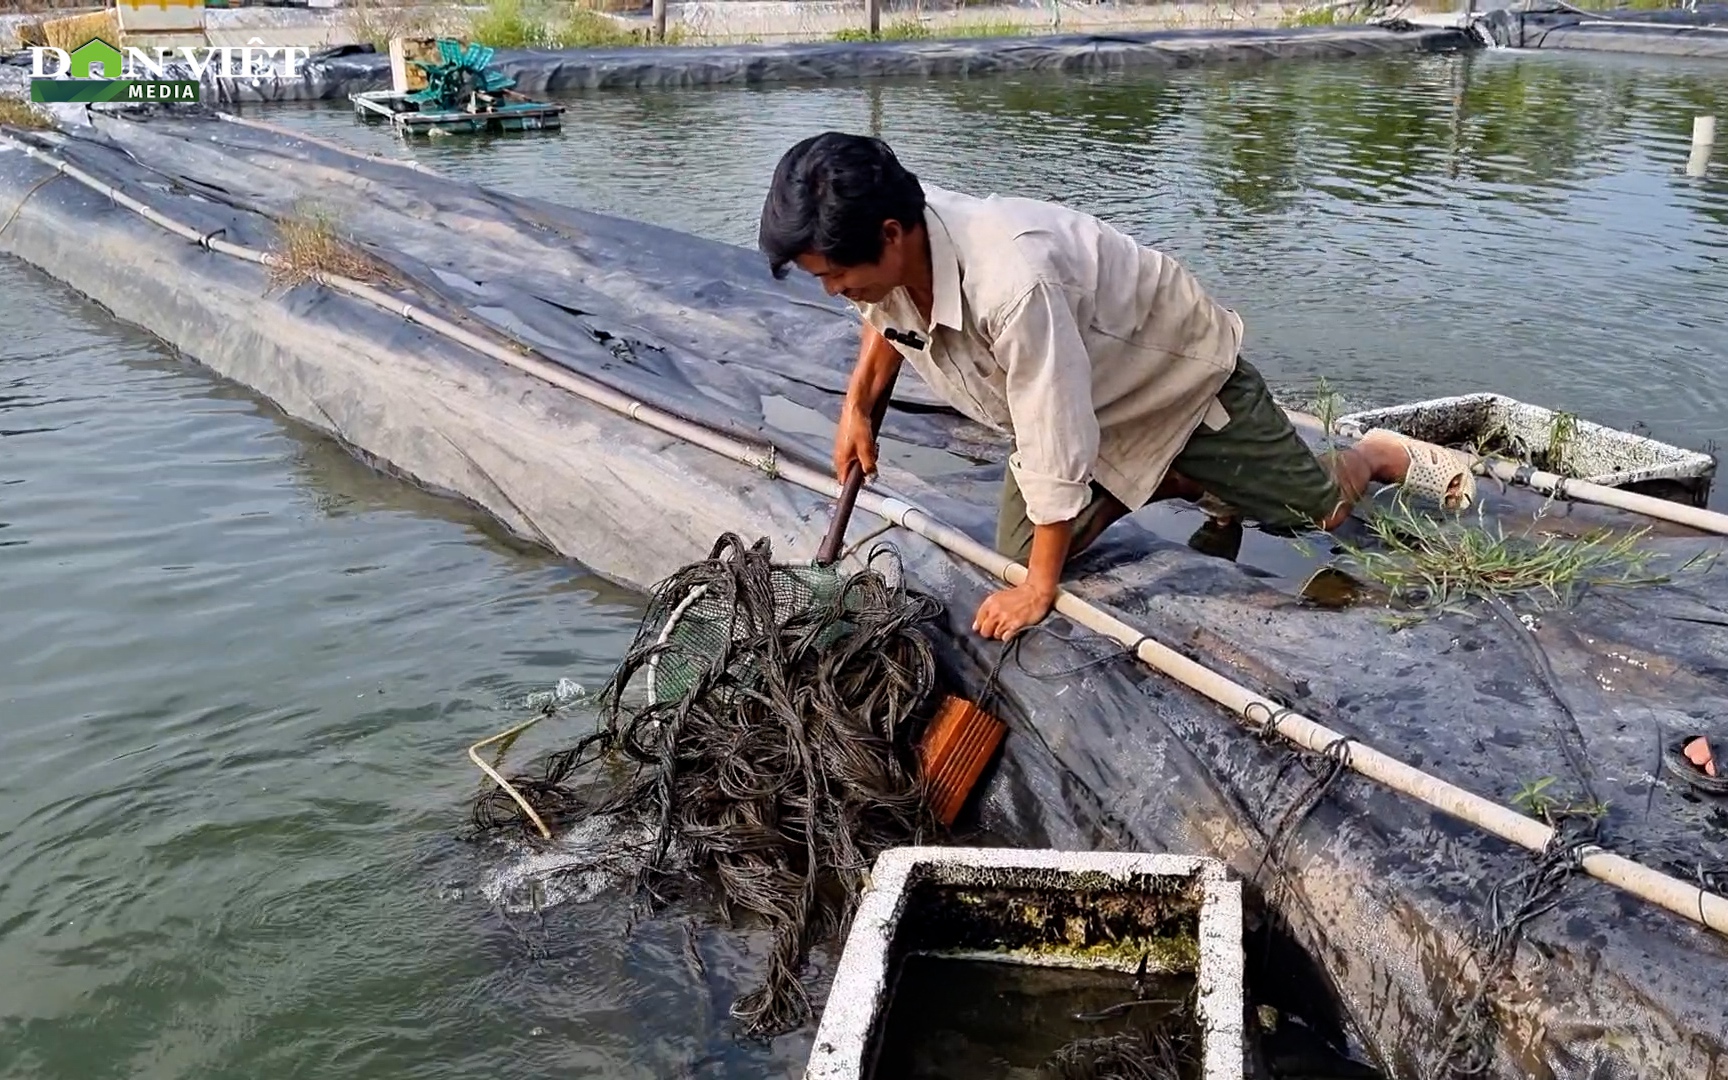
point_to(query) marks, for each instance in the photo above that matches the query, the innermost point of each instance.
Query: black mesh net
(772, 756)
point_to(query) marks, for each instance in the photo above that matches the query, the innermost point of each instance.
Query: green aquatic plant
(1533, 799)
(1562, 433)
(1553, 456)
(1327, 406)
(1422, 561)
(912, 29)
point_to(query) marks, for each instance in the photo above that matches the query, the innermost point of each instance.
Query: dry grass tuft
(309, 246)
(75, 30)
(540, 24)
(29, 34)
(376, 23)
(18, 113)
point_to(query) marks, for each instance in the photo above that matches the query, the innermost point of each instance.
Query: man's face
(866, 283)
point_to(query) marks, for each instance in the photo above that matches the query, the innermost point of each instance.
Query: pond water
(969, 1019)
(1402, 227)
(239, 671)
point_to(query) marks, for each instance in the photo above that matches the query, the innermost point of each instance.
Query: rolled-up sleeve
(1049, 391)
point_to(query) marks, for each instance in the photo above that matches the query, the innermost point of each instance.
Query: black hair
(831, 195)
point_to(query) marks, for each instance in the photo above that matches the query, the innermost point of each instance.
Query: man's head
(843, 208)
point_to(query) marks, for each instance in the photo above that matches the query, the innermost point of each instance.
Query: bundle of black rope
(782, 772)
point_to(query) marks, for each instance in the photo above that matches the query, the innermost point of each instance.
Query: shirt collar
(944, 272)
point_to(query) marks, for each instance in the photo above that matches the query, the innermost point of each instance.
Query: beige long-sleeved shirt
(1099, 356)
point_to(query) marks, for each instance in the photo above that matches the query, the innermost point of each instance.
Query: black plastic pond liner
(1701, 32)
(333, 75)
(1387, 899)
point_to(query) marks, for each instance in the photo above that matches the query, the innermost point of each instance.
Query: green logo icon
(96, 52)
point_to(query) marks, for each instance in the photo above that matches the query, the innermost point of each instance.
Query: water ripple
(238, 674)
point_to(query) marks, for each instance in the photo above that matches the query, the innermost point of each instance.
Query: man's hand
(1004, 614)
(853, 441)
(866, 403)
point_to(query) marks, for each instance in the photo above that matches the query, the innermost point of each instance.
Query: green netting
(700, 626)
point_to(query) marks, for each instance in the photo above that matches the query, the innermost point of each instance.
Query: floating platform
(518, 113)
(512, 351)
(1165, 920)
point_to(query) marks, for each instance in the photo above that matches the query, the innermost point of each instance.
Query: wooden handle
(829, 552)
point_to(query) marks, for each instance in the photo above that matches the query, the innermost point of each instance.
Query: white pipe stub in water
(1703, 139)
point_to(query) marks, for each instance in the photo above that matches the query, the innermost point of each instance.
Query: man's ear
(892, 233)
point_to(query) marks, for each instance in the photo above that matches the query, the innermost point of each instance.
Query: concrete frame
(858, 1000)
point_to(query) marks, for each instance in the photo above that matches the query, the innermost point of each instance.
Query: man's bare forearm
(1050, 545)
(878, 362)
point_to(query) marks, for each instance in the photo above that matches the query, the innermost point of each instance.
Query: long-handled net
(767, 715)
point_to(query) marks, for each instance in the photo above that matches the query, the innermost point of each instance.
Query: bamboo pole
(1688, 901)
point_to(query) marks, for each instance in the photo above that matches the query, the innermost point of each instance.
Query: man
(1118, 377)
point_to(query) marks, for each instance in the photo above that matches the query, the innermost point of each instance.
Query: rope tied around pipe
(1325, 767)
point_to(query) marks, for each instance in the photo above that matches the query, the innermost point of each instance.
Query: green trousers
(1256, 464)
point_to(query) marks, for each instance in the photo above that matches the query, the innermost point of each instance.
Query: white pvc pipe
(1703, 140)
(1688, 901)
(1553, 484)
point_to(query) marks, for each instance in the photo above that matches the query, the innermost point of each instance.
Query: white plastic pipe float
(1703, 139)
(1561, 487)
(1653, 886)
